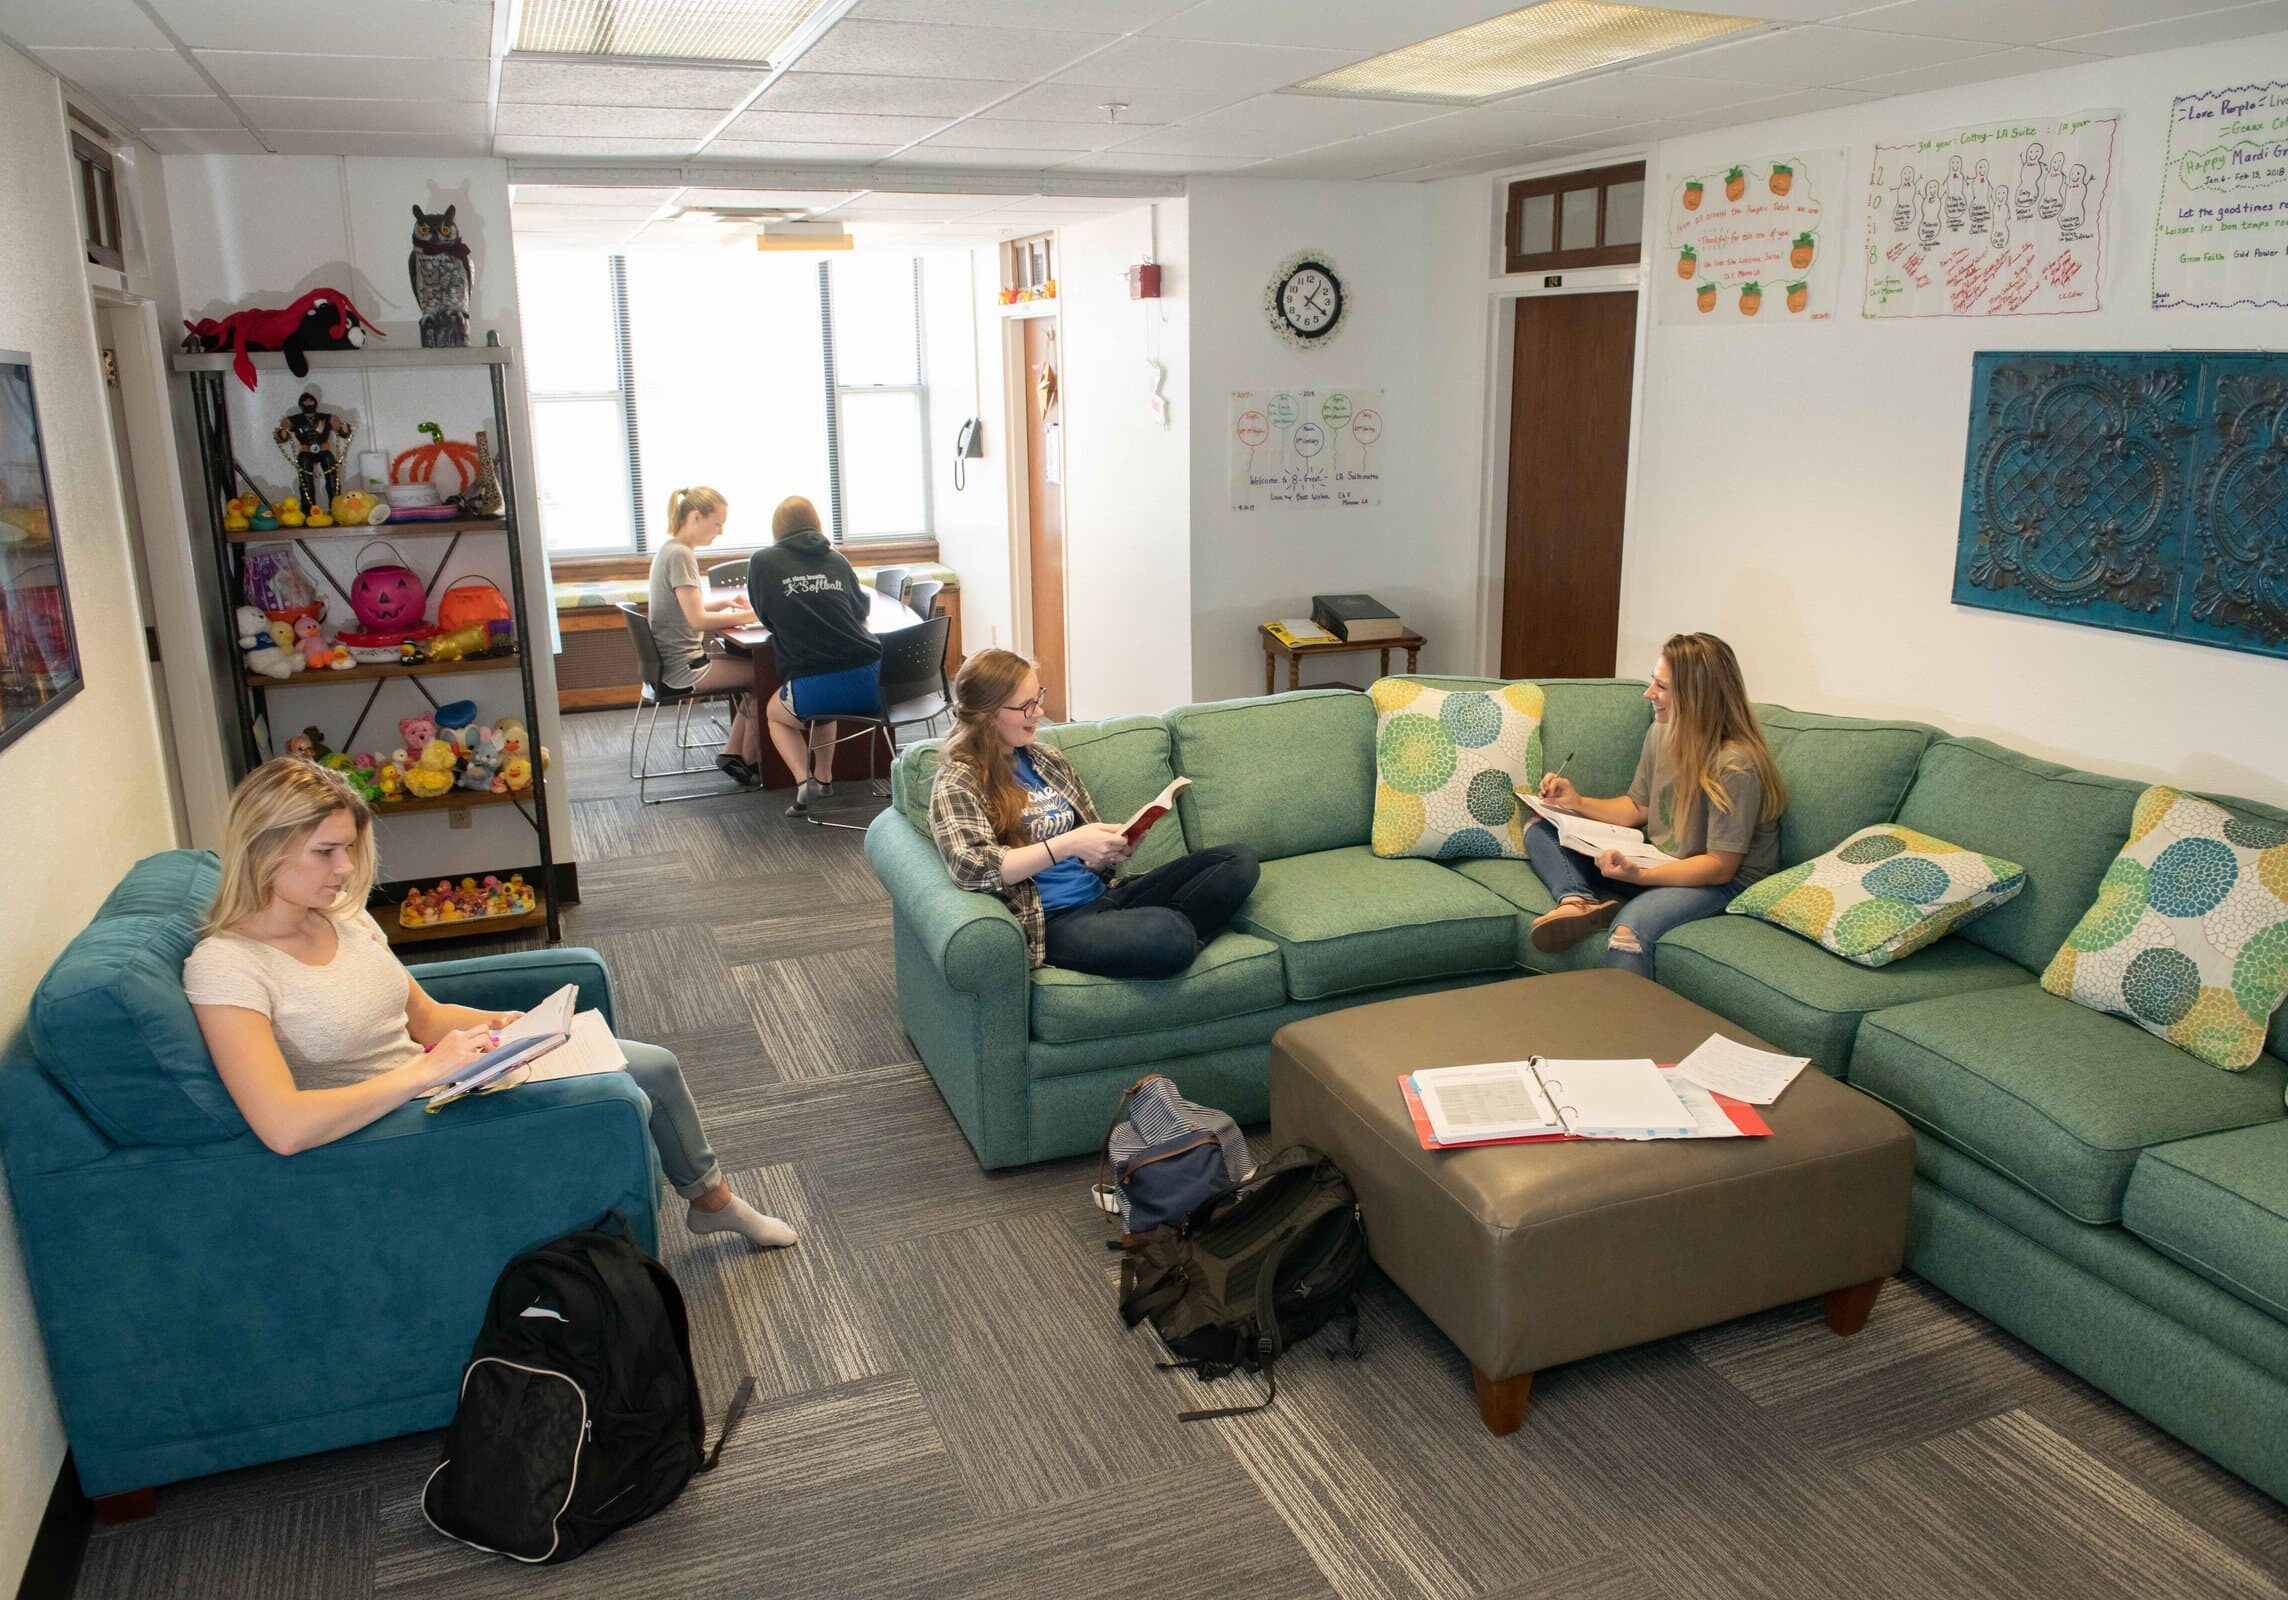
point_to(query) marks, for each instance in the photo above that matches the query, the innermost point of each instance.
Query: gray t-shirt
(1743, 830)
(682, 651)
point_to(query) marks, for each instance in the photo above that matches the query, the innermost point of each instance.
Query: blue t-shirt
(1069, 883)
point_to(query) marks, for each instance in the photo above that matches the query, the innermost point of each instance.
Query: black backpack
(579, 1410)
(1273, 1261)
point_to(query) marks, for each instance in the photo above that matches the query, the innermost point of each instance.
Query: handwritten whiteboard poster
(1306, 447)
(2003, 219)
(1745, 241)
(2222, 236)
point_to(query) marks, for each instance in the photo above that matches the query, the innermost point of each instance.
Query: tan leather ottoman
(1532, 1255)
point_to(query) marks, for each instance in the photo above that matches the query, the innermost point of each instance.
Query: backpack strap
(1153, 1295)
(1270, 1393)
(731, 1416)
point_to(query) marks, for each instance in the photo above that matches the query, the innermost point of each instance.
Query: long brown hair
(1710, 711)
(980, 689)
(272, 814)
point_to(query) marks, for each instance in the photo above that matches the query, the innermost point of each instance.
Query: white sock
(764, 1233)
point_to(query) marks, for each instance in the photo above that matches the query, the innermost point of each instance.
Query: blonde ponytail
(696, 501)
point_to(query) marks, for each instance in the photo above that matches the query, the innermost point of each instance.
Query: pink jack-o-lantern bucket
(388, 596)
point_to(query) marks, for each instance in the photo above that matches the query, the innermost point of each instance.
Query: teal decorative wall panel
(2146, 492)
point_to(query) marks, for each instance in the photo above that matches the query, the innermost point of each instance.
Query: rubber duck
(234, 516)
(290, 513)
(319, 519)
(262, 519)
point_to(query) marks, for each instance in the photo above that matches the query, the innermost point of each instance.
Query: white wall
(260, 230)
(1128, 568)
(1248, 566)
(962, 346)
(1798, 490)
(58, 861)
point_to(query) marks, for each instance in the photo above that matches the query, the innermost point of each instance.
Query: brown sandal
(1557, 931)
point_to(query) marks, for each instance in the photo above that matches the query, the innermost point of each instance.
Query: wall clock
(1304, 300)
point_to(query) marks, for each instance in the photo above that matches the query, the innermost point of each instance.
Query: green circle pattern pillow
(1882, 894)
(1448, 763)
(2188, 937)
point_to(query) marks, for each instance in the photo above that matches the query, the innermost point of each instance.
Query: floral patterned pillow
(1882, 894)
(2188, 937)
(1447, 765)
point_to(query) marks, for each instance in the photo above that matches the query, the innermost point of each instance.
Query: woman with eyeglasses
(1012, 818)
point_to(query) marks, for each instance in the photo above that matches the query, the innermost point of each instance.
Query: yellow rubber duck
(234, 516)
(319, 519)
(290, 513)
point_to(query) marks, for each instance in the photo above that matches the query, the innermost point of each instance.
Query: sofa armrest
(519, 979)
(205, 1306)
(973, 939)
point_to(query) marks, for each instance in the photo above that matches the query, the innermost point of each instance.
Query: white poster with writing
(1306, 447)
(2002, 219)
(2222, 235)
(1753, 241)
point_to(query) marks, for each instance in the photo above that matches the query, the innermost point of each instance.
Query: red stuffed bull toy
(323, 319)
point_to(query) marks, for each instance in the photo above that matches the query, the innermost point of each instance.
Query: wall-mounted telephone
(968, 445)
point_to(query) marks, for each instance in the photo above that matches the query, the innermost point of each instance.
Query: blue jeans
(1649, 913)
(1152, 925)
(675, 1131)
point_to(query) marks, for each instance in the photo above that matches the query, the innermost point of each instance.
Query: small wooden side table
(1274, 648)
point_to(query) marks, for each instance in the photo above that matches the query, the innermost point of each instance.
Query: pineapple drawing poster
(1997, 220)
(1751, 242)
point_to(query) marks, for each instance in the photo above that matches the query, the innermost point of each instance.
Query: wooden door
(1568, 483)
(1045, 506)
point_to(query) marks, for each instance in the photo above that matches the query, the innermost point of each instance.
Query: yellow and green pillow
(1882, 894)
(2188, 937)
(1448, 763)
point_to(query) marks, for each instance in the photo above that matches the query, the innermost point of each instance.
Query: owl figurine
(444, 279)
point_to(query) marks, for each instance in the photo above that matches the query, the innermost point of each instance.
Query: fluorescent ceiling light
(747, 32)
(802, 236)
(1557, 39)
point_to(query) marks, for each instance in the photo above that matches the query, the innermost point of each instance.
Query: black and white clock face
(1311, 300)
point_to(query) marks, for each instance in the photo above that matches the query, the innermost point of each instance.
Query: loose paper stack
(1740, 1072)
(1518, 1102)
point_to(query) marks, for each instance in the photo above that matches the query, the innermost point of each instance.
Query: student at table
(814, 605)
(682, 617)
(1706, 791)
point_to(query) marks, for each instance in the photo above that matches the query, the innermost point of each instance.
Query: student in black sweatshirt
(807, 595)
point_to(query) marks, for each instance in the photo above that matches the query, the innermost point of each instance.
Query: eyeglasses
(1032, 707)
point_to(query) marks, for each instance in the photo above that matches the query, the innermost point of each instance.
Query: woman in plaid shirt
(1013, 818)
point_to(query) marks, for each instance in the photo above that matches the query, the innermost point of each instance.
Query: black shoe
(744, 775)
(804, 792)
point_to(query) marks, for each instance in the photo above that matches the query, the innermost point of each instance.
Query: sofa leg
(1848, 1309)
(1502, 1401)
(132, 1506)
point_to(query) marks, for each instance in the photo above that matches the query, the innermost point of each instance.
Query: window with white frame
(573, 306)
(873, 312)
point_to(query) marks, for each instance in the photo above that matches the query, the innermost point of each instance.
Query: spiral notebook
(1543, 1098)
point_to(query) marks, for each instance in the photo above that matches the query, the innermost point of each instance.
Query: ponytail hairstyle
(1712, 712)
(980, 689)
(272, 814)
(697, 501)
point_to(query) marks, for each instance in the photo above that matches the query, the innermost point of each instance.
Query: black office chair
(891, 580)
(921, 596)
(914, 693)
(657, 697)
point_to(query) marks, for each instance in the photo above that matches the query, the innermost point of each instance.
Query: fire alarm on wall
(1144, 282)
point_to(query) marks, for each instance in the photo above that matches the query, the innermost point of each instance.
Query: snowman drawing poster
(1995, 220)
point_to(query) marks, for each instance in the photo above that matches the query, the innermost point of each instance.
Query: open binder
(1539, 1099)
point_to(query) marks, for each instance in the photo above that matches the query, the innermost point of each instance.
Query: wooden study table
(1275, 647)
(884, 615)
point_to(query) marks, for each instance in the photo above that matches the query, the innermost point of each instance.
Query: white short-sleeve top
(335, 1024)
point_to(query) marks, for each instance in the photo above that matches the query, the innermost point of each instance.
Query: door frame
(1018, 467)
(1502, 293)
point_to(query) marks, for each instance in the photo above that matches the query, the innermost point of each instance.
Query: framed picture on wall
(39, 652)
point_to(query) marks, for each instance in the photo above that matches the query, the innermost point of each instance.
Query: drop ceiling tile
(1641, 93)
(1347, 162)
(951, 203)
(314, 115)
(980, 134)
(1361, 27)
(868, 93)
(439, 29)
(1317, 117)
(1059, 16)
(580, 83)
(795, 153)
(832, 127)
(367, 77)
(1801, 103)
(1977, 69)
(578, 194)
(177, 111)
(202, 142)
(1084, 102)
(617, 122)
(553, 144)
(1775, 11)
(2212, 27)
(2018, 21)
(1818, 55)
(124, 72)
(375, 144)
(916, 50)
(1171, 166)
(923, 155)
(807, 199)
(1239, 69)
(117, 24)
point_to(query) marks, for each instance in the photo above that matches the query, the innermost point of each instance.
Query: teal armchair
(208, 1304)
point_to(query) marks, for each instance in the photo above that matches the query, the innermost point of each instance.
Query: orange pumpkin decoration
(1782, 179)
(1735, 183)
(1692, 196)
(1686, 263)
(1800, 256)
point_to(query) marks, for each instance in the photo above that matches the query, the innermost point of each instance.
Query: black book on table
(1355, 618)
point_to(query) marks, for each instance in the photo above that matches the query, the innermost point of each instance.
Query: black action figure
(313, 453)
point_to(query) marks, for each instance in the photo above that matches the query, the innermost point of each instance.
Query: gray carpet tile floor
(947, 1405)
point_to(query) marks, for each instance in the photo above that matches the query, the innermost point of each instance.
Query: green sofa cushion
(2054, 1095)
(2063, 826)
(1803, 999)
(1124, 762)
(2219, 1205)
(1286, 774)
(1842, 774)
(1521, 886)
(1346, 921)
(1237, 973)
(1600, 723)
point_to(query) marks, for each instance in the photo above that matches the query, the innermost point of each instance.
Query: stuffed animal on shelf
(318, 650)
(443, 276)
(353, 508)
(290, 513)
(321, 752)
(417, 732)
(389, 777)
(323, 319)
(432, 775)
(457, 725)
(516, 774)
(488, 757)
(301, 746)
(260, 652)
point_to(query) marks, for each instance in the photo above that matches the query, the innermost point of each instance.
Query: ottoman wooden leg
(1848, 1309)
(1502, 1401)
(131, 1505)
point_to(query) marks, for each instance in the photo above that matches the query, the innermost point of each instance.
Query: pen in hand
(1552, 777)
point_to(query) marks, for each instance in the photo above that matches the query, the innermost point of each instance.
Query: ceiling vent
(747, 33)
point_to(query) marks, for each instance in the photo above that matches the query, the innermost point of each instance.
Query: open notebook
(1589, 836)
(549, 1041)
(1512, 1102)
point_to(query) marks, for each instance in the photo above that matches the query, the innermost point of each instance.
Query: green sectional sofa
(2096, 1191)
